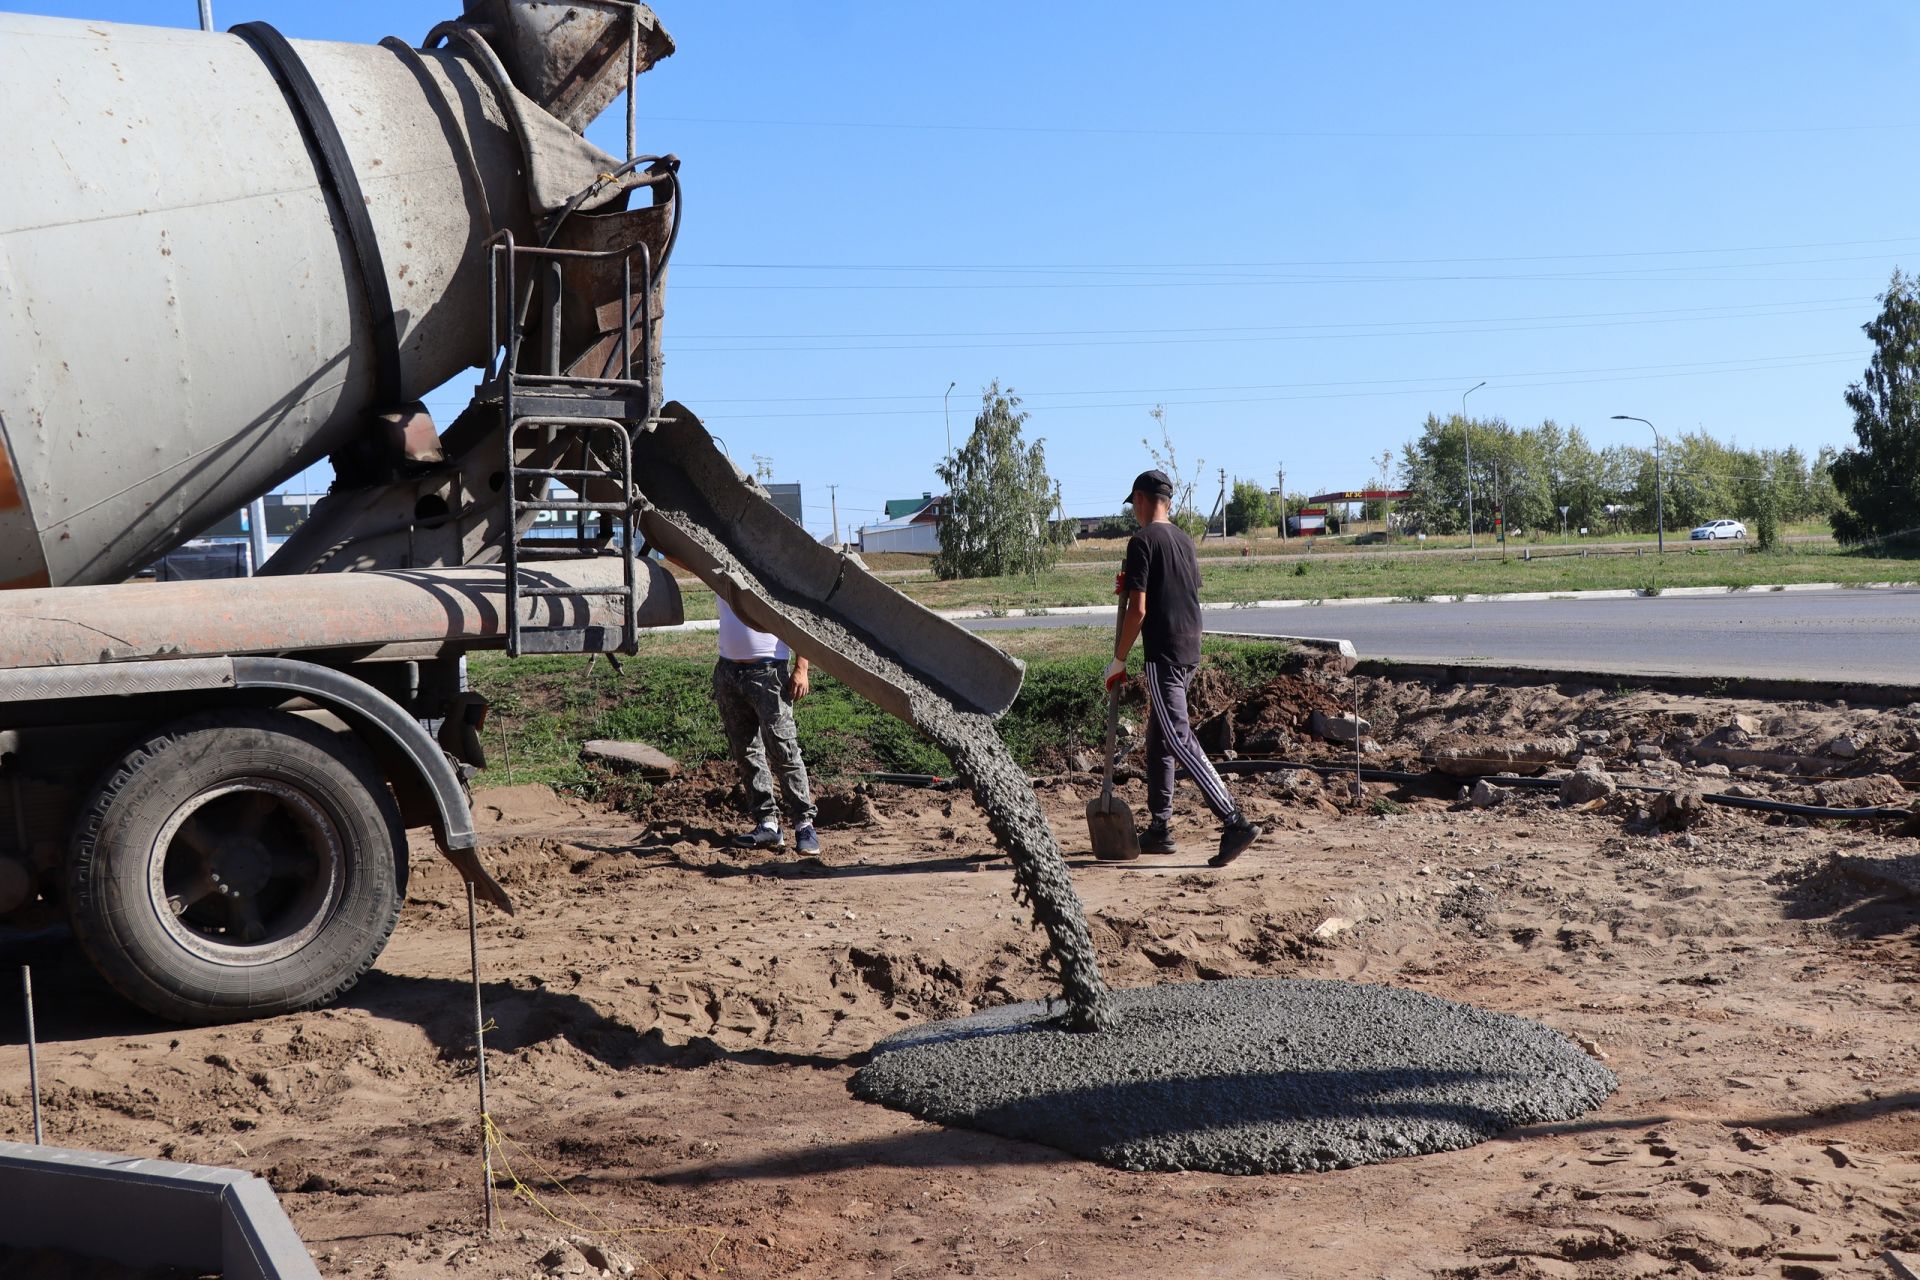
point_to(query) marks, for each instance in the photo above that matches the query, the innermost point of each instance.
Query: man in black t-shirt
(1161, 583)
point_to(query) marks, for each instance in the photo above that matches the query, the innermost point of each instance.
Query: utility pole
(1499, 511)
(1280, 481)
(1222, 503)
(1466, 433)
(833, 493)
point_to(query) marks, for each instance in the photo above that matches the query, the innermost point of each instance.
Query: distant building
(901, 508)
(1311, 522)
(285, 513)
(917, 532)
(787, 498)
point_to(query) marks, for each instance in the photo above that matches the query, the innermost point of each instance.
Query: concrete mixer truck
(226, 257)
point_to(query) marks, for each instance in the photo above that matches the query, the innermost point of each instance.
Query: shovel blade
(1110, 828)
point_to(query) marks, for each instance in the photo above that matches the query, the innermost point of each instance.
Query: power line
(1367, 382)
(1353, 332)
(1275, 328)
(1215, 267)
(1632, 275)
(1434, 385)
(1287, 134)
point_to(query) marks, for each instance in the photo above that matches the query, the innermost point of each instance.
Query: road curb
(1498, 597)
(1758, 688)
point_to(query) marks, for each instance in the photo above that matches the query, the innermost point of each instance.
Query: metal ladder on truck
(581, 427)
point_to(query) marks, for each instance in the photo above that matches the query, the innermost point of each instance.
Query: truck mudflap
(695, 505)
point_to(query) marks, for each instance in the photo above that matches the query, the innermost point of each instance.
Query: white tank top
(741, 643)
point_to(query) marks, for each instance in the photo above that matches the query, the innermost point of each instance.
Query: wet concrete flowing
(1246, 1076)
(972, 741)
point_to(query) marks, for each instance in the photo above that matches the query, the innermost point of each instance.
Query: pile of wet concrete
(1244, 1077)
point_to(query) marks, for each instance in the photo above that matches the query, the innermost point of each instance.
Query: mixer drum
(188, 315)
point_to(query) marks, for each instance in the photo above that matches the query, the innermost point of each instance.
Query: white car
(1719, 529)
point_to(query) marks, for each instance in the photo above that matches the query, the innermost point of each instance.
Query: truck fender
(369, 712)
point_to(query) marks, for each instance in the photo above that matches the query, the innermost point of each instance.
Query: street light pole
(948, 414)
(1466, 433)
(1659, 484)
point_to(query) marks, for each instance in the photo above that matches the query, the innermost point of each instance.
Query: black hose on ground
(1541, 784)
(1872, 814)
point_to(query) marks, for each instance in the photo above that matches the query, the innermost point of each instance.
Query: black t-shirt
(1161, 562)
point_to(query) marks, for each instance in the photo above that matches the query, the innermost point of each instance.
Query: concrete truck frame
(225, 257)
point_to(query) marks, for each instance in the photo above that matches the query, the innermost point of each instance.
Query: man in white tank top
(755, 694)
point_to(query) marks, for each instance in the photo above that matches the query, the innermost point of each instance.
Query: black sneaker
(765, 835)
(1235, 839)
(1157, 839)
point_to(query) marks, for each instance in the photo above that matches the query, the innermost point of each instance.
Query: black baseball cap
(1154, 482)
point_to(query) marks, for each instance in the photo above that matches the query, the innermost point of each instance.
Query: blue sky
(1301, 228)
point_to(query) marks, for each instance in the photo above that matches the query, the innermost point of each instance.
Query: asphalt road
(1825, 635)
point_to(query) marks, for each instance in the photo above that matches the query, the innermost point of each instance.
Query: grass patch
(1417, 577)
(544, 708)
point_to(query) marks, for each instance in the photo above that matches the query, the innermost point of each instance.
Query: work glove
(1116, 674)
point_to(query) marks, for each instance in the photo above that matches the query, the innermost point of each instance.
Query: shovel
(1110, 821)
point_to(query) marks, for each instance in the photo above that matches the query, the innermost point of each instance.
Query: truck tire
(236, 864)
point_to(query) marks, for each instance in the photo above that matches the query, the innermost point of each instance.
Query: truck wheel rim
(247, 872)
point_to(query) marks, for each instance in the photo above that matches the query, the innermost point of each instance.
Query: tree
(1181, 507)
(1247, 508)
(999, 498)
(1822, 498)
(1879, 481)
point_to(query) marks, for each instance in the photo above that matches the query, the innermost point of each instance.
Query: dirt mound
(527, 805)
(673, 1023)
(1265, 720)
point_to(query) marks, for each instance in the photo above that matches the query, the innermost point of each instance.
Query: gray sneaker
(765, 836)
(804, 839)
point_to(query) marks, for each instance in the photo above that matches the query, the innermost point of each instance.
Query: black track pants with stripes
(1170, 742)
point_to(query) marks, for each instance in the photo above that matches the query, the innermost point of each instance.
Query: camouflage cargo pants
(758, 719)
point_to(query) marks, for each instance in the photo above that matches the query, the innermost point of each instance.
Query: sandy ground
(674, 1024)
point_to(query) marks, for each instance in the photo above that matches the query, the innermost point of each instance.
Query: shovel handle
(1113, 733)
(1113, 717)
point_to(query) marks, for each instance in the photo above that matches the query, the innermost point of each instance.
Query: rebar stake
(33, 1054)
(480, 1057)
(1359, 792)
